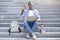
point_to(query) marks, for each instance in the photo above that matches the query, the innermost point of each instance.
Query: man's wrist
(22, 10)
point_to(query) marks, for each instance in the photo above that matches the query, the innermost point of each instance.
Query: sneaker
(27, 36)
(34, 36)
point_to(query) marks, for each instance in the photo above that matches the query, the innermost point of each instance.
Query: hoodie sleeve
(37, 15)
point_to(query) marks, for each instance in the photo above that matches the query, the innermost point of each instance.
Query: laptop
(31, 18)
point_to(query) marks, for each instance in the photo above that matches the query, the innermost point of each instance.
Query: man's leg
(31, 27)
(34, 26)
(27, 27)
(30, 23)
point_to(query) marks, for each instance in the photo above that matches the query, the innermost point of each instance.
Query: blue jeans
(30, 26)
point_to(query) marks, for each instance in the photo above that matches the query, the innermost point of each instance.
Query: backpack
(14, 27)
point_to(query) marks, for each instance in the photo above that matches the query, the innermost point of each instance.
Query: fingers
(23, 7)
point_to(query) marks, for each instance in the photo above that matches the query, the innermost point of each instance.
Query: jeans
(30, 26)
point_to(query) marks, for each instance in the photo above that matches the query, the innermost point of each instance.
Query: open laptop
(31, 18)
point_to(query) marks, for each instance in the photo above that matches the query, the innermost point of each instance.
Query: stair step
(21, 21)
(39, 27)
(41, 13)
(29, 39)
(38, 23)
(46, 25)
(22, 35)
(19, 15)
(5, 0)
(48, 29)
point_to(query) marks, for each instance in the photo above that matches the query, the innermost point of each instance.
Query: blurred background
(49, 11)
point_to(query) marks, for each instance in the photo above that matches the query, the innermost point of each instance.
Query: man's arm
(23, 8)
(38, 16)
(22, 12)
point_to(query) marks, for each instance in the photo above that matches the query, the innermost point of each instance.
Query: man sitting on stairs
(30, 26)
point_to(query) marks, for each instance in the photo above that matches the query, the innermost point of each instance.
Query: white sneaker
(27, 36)
(34, 36)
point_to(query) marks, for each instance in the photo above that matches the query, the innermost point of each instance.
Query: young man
(30, 26)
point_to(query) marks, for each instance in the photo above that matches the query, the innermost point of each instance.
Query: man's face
(30, 4)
